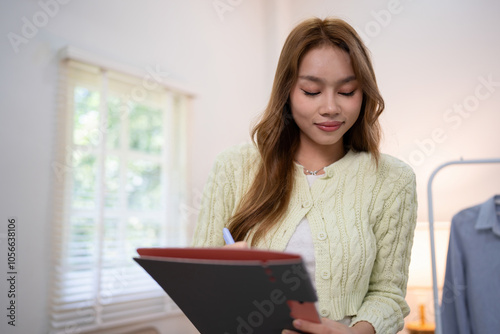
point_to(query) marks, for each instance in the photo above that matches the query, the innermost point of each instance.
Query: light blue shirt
(471, 293)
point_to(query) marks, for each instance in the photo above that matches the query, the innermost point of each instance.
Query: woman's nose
(330, 106)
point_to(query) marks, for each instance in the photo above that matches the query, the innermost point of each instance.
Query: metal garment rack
(437, 310)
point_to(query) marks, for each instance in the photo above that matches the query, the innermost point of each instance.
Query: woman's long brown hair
(276, 135)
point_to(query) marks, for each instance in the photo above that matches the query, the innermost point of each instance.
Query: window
(119, 182)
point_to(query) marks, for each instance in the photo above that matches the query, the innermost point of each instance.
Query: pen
(227, 236)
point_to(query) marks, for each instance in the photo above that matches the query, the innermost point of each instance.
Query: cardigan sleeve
(384, 305)
(217, 205)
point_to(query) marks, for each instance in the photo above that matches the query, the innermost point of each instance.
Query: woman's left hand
(327, 326)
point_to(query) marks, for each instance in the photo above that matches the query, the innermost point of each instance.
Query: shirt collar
(488, 218)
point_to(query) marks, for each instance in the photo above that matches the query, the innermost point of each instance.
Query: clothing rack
(437, 311)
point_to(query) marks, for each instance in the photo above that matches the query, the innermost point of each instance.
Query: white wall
(428, 56)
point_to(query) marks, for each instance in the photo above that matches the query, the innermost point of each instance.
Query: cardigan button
(324, 312)
(325, 274)
(321, 235)
(306, 204)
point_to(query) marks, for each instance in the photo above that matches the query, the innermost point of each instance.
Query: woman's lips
(329, 126)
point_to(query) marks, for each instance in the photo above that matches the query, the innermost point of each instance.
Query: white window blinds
(119, 184)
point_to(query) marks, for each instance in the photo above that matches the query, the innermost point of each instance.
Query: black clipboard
(234, 291)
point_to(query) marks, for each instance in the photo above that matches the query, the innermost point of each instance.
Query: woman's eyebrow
(311, 78)
(321, 80)
(347, 79)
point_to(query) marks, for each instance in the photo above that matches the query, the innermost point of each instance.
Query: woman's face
(326, 99)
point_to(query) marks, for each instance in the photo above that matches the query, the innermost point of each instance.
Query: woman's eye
(310, 93)
(348, 93)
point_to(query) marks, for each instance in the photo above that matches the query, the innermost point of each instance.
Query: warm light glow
(420, 275)
(419, 295)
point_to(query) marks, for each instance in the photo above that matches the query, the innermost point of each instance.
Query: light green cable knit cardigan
(362, 220)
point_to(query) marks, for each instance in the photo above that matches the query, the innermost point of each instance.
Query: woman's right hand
(238, 244)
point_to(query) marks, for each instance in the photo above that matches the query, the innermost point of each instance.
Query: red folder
(233, 291)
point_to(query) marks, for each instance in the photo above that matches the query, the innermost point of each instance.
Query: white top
(301, 241)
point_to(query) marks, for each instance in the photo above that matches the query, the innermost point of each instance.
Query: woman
(314, 182)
